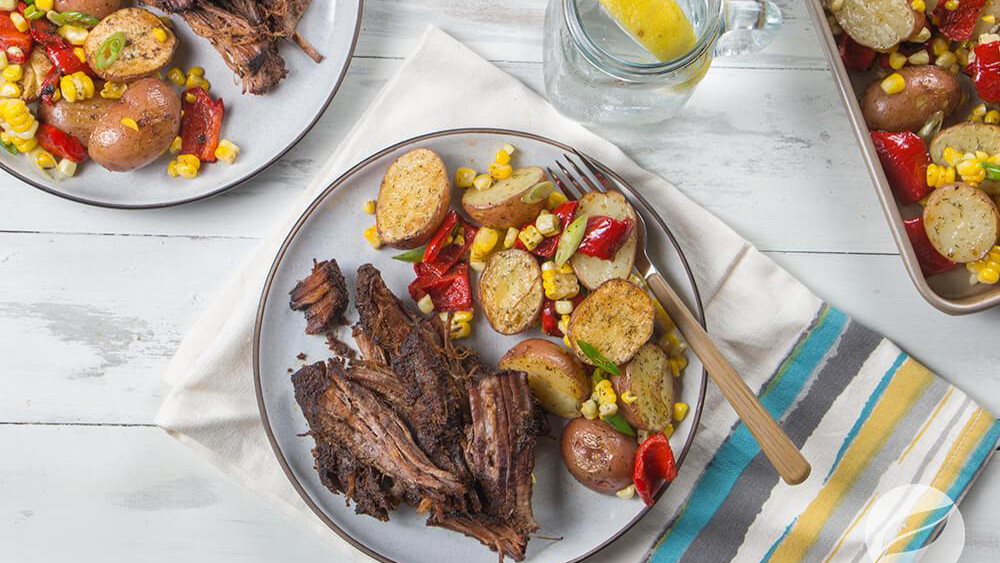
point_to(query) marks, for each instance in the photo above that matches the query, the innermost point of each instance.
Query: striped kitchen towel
(869, 418)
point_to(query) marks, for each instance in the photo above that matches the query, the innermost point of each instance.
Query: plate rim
(695, 417)
(226, 187)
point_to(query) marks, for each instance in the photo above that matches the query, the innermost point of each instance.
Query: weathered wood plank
(778, 163)
(88, 323)
(119, 495)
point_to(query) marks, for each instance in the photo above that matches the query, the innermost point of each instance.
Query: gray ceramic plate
(332, 228)
(264, 127)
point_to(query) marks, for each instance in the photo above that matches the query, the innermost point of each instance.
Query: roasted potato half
(600, 457)
(879, 24)
(616, 319)
(78, 118)
(97, 8)
(555, 376)
(143, 54)
(647, 376)
(510, 291)
(507, 203)
(413, 199)
(968, 137)
(593, 271)
(962, 222)
(156, 109)
(928, 89)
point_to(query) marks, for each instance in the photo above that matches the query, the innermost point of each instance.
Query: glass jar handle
(748, 27)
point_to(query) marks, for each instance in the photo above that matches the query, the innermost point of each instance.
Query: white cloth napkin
(754, 309)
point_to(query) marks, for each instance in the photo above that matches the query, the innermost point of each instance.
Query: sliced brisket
(323, 296)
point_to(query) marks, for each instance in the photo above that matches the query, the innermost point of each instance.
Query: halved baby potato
(555, 376)
(968, 137)
(649, 379)
(413, 199)
(593, 271)
(507, 203)
(879, 24)
(962, 222)
(510, 291)
(616, 319)
(143, 54)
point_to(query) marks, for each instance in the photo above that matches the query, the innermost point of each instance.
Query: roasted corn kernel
(897, 60)
(176, 76)
(19, 21)
(160, 34)
(680, 411)
(44, 159)
(462, 316)
(196, 71)
(628, 397)
(482, 182)
(992, 117)
(990, 19)
(893, 84)
(668, 431)
(73, 34)
(547, 224)
(510, 238)
(12, 73)
(589, 409)
(555, 199)
(500, 171)
(485, 241)
(66, 167)
(460, 330)
(951, 5)
(923, 35)
(195, 81)
(172, 169)
(371, 235)
(44, 5)
(509, 148)
(921, 57)
(76, 87)
(175, 145)
(559, 286)
(502, 157)
(918, 5)
(426, 305)
(113, 90)
(564, 307)
(629, 491)
(10, 90)
(3, 59)
(951, 156)
(370, 207)
(464, 177)
(607, 409)
(130, 123)
(939, 45)
(946, 59)
(530, 237)
(835, 6)
(227, 151)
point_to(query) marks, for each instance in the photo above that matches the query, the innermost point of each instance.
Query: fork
(774, 442)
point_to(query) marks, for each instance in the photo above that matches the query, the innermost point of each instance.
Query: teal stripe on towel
(867, 411)
(732, 458)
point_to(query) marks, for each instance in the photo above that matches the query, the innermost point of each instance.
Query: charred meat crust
(323, 296)
(418, 420)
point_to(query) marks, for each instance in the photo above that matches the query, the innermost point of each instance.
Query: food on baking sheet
(933, 73)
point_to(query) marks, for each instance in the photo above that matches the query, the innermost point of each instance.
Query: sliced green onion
(570, 240)
(597, 359)
(109, 50)
(71, 18)
(597, 376)
(992, 172)
(618, 422)
(32, 13)
(538, 192)
(10, 148)
(411, 256)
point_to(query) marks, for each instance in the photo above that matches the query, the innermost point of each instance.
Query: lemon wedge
(658, 25)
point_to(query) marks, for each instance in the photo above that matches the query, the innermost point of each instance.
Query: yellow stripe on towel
(903, 391)
(972, 434)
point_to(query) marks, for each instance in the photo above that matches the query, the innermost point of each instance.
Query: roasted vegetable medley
(563, 266)
(89, 80)
(933, 108)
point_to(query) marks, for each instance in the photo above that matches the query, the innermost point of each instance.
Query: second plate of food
(133, 106)
(478, 371)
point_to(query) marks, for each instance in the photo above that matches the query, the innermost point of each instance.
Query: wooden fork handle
(773, 441)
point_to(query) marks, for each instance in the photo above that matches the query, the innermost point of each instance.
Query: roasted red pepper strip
(452, 253)
(547, 248)
(60, 144)
(854, 55)
(437, 242)
(65, 60)
(904, 159)
(604, 236)
(201, 124)
(654, 464)
(44, 33)
(450, 292)
(958, 25)
(17, 44)
(931, 261)
(985, 71)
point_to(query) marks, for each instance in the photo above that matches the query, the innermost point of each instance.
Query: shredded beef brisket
(322, 295)
(418, 420)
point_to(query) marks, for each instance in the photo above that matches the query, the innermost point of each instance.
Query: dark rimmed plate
(265, 127)
(332, 228)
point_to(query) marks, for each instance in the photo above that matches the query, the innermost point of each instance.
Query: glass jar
(597, 74)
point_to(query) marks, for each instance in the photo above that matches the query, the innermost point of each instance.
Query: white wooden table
(93, 302)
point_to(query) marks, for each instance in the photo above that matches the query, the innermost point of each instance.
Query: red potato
(511, 202)
(600, 457)
(962, 222)
(156, 109)
(928, 89)
(879, 24)
(555, 376)
(648, 378)
(616, 319)
(97, 8)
